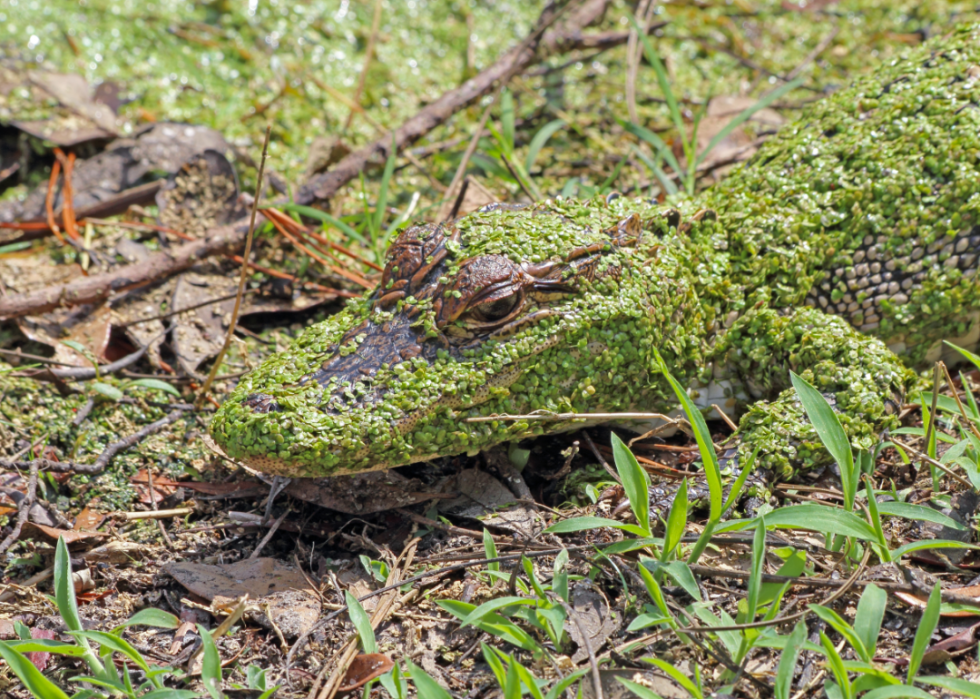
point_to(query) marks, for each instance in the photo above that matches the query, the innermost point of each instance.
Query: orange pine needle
(351, 276)
(49, 202)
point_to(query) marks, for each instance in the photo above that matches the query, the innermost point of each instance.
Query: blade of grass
(746, 114)
(636, 482)
(539, 140)
(702, 435)
(927, 625)
(831, 433)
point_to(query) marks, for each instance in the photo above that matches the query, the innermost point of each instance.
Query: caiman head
(507, 311)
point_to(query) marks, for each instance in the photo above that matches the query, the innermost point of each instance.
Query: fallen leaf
(40, 658)
(364, 668)
(88, 520)
(281, 589)
(51, 534)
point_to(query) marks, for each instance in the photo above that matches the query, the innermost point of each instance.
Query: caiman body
(845, 250)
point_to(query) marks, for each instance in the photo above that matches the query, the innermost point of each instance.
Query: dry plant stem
(49, 202)
(242, 278)
(272, 530)
(322, 187)
(287, 222)
(368, 55)
(956, 395)
(153, 505)
(942, 467)
(381, 612)
(100, 287)
(170, 314)
(156, 514)
(643, 12)
(350, 276)
(557, 417)
(23, 510)
(467, 154)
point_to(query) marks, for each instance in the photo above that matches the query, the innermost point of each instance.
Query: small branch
(104, 458)
(322, 187)
(100, 287)
(242, 278)
(23, 510)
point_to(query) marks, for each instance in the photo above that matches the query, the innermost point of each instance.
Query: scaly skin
(852, 231)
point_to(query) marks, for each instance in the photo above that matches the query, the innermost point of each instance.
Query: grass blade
(382, 204)
(541, 138)
(362, 622)
(930, 618)
(831, 433)
(507, 122)
(35, 682)
(703, 437)
(953, 684)
(758, 562)
(323, 216)
(676, 522)
(746, 114)
(870, 612)
(636, 482)
(787, 663)
(211, 665)
(662, 79)
(661, 148)
(425, 686)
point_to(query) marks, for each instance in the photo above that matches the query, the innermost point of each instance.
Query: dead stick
(24, 510)
(104, 458)
(322, 187)
(99, 287)
(242, 278)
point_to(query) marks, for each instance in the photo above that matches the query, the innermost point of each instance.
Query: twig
(49, 201)
(633, 53)
(941, 466)
(322, 187)
(23, 510)
(812, 56)
(242, 278)
(368, 55)
(596, 677)
(959, 403)
(67, 194)
(156, 514)
(602, 460)
(467, 154)
(178, 311)
(32, 357)
(557, 417)
(272, 530)
(104, 458)
(100, 287)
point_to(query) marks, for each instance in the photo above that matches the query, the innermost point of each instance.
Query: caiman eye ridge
(853, 230)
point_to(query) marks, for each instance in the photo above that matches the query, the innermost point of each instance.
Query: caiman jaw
(447, 335)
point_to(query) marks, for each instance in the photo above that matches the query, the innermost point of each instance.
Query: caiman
(845, 250)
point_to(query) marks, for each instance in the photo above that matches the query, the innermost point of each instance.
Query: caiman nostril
(261, 403)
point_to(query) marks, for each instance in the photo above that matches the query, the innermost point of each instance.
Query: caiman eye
(497, 309)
